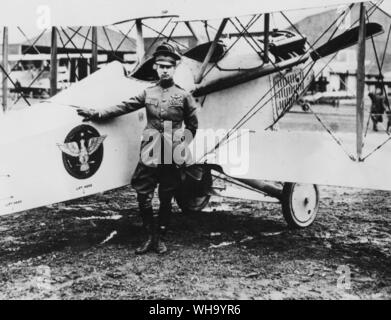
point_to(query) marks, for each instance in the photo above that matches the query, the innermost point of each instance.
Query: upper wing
(70, 148)
(94, 144)
(220, 9)
(62, 13)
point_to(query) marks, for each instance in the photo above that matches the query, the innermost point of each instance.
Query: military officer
(168, 106)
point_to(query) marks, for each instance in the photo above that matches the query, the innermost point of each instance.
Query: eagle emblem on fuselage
(82, 151)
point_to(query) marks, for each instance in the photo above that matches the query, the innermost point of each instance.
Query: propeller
(345, 40)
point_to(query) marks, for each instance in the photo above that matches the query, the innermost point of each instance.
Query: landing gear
(192, 204)
(194, 195)
(300, 203)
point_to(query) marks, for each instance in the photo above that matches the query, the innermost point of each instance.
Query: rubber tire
(193, 196)
(287, 209)
(193, 205)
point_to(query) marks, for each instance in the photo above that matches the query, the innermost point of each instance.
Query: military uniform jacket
(167, 108)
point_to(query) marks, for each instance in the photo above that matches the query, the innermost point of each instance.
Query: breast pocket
(151, 102)
(151, 105)
(175, 112)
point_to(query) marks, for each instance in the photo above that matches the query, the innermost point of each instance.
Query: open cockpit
(283, 45)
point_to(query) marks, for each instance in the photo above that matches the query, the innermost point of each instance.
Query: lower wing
(305, 157)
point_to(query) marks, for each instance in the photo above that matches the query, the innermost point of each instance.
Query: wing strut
(211, 50)
(266, 38)
(140, 40)
(53, 63)
(5, 64)
(94, 50)
(190, 27)
(360, 82)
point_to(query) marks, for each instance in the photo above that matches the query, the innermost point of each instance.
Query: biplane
(244, 85)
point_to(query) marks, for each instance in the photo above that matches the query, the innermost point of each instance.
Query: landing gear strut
(300, 202)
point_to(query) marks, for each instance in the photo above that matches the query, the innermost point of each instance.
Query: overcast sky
(31, 14)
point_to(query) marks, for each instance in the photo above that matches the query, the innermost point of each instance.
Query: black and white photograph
(178, 150)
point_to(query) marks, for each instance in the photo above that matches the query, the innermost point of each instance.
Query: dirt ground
(84, 249)
(235, 249)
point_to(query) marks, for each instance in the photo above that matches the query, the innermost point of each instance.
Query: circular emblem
(82, 151)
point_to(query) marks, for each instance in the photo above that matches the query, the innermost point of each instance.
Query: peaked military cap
(165, 54)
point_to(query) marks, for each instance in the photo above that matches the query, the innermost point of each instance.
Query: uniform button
(165, 90)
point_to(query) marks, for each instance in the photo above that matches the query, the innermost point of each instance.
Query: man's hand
(88, 114)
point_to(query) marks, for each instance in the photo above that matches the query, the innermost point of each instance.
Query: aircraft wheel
(192, 204)
(300, 203)
(194, 195)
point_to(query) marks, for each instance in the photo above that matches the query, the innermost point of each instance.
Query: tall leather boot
(148, 245)
(163, 220)
(159, 245)
(165, 209)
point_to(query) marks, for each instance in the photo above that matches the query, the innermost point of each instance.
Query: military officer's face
(165, 72)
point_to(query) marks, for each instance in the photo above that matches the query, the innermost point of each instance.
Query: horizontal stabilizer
(107, 87)
(48, 155)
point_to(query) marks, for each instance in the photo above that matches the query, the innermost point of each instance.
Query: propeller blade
(345, 40)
